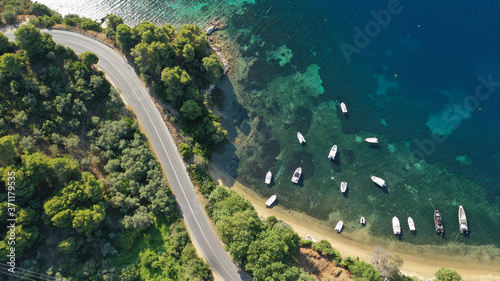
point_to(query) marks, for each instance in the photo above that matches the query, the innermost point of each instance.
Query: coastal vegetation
(269, 248)
(93, 189)
(91, 202)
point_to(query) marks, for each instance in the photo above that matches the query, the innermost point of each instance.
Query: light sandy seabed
(419, 261)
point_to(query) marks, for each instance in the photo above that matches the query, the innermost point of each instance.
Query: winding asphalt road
(124, 77)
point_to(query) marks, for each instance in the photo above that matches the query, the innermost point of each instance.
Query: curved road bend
(124, 77)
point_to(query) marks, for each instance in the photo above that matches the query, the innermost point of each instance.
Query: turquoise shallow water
(412, 84)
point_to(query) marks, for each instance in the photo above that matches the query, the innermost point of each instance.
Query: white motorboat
(396, 227)
(271, 200)
(343, 186)
(411, 224)
(333, 152)
(309, 237)
(296, 175)
(301, 138)
(378, 181)
(362, 221)
(343, 107)
(269, 177)
(339, 226)
(371, 140)
(462, 219)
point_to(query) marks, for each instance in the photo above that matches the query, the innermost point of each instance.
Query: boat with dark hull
(438, 222)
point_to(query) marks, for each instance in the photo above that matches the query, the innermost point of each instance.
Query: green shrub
(68, 245)
(9, 17)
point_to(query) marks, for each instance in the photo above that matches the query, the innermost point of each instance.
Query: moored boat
(339, 226)
(296, 175)
(438, 222)
(371, 140)
(379, 181)
(343, 107)
(301, 138)
(269, 177)
(462, 219)
(362, 221)
(343, 186)
(411, 224)
(333, 152)
(396, 227)
(271, 200)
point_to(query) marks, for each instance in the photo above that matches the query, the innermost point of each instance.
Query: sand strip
(419, 261)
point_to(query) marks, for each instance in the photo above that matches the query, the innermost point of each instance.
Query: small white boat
(396, 227)
(333, 152)
(271, 200)
(411, 224)
(378, 181)
(343, 186)
(301, 138)
(296, 175)
(462, 219)
(343, 107)
(269, 176)
(339, 226)
(309, 237)
(371, 140)
(362, 221)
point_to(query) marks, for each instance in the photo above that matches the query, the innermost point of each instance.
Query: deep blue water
(417, 75)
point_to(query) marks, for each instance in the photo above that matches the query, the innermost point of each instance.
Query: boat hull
(462, 219)
(271, 200)
(333, 152)
(296, 175)
(339, 226)
(343, 186)
(379, 181)
(269, 177)
(396, 226)
(411, 224)
(438, 222)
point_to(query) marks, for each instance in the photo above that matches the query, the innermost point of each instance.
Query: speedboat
(333, 152)
(343, 186)
(396, 227)
(271, 200)
(301, 138)
(462, 219)
(411, 224)
(339, 226)
(378, 181)
(438, 222)
(296, 175)
(343, 107)
(371, 140)
(362, 221)
(269, 176)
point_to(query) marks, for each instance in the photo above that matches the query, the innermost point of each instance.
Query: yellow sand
(419, 261)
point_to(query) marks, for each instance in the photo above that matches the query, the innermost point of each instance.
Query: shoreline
(348, 243)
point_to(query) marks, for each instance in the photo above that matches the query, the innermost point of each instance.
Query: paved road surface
(124, 77)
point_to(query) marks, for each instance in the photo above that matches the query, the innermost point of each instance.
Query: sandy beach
(419, 261)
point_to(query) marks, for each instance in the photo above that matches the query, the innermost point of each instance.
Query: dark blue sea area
(422, 76)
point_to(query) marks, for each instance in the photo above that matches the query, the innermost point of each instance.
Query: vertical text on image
(11, 220)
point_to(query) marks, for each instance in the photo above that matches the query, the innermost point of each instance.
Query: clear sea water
(418, 81)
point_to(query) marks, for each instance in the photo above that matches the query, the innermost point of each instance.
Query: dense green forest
(176, 63)
(90, 199)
